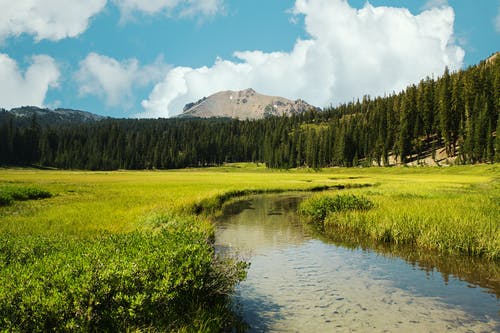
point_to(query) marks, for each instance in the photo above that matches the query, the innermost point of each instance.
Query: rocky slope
(244, 104)
(24, 115)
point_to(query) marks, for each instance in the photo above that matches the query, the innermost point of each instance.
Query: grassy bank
(452, 211)
(123, 250)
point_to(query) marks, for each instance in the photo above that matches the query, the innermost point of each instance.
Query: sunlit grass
(86, 202)
(453, 210)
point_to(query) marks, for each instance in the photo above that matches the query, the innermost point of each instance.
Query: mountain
(24, 115)
(244, 104)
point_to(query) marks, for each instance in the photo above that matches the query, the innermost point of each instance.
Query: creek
(298, 281)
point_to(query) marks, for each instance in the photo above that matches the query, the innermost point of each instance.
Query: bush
(5, 199)
(11, 194)
(163, 280)
(319, 207)
(29, 193)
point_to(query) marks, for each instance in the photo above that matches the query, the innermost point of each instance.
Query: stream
(300, 282)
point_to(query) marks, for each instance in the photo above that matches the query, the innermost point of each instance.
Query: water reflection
(298, 282)
(260, 220)
(476, 271)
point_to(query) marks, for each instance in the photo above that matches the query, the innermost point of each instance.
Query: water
(299, 283)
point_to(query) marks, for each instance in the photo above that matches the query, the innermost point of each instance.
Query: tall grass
(121, 251)
(319, 207)
(451, 214)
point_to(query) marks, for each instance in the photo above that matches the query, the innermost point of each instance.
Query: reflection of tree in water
(285, 206)
(274, 204)
(477, 271)
(237, 207)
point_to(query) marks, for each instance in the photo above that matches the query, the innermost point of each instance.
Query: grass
(9, 194)
(84, 203)
(453, 210)
(122, 250)
(318, 208)
(98, 220)
(115, 283)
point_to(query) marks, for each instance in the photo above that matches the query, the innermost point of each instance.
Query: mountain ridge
(46, 116)
(244, 104)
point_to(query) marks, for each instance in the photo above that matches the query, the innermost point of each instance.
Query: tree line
(457, 112)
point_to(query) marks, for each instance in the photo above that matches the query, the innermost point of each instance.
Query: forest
(458, 112)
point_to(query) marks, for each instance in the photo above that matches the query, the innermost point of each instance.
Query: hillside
(244, 104)
(23, 116)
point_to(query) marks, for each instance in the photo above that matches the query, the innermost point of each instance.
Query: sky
(148, 58)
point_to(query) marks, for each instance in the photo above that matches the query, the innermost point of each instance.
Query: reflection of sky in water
(299, 284)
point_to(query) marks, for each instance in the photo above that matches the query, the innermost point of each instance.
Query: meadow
(454, 210)
(129, 250)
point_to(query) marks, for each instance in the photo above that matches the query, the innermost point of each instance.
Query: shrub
(14, 193)
(319, 207)
(29, 193)
(5, 199)
(165, 279)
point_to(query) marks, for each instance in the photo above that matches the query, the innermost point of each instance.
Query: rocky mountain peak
(244, 104)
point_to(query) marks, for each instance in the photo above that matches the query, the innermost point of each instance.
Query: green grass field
(84, 203)
(453, 210)
(90, 214)
(87, 202)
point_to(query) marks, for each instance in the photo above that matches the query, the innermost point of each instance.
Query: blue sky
(132, 58)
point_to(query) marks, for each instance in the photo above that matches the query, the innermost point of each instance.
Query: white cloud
(48, 19)
(181, 7)
(350, 52)
(113, 80)
(30, 87)
(58, 19)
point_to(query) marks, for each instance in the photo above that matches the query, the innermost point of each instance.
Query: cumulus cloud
(30, 87)
(58, 19)
(113, 80)
(349, 52)
(48, 19)
(182, 7)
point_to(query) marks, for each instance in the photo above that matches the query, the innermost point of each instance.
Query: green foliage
(167, 279)
(8, 194)
(319, 207)
(5, 199)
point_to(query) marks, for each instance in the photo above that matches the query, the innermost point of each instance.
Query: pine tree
(445, 110)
